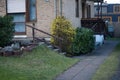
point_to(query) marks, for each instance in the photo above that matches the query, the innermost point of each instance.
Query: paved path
(88, 64)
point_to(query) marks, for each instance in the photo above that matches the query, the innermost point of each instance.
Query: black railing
(33, 32)
(43, 40)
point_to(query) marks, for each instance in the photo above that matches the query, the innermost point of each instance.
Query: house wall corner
(2, 7)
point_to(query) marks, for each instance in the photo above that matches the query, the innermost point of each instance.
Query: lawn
(113, 38)
(40, 64)
(109, 67)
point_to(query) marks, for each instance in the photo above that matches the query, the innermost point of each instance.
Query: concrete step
(63, 53)
(56, 50)
(41, 43)
(50, 46)
(47, 39)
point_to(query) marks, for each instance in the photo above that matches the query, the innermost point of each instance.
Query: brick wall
(69, 12)
(45, 16)
(2, 7)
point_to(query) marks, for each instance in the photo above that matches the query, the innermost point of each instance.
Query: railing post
(33, 32)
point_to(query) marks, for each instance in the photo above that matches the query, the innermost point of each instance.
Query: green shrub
(83, 41)
(62, 28)
(6, 30)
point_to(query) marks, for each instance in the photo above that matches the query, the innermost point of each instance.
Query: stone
(16, 46)
(7, 48)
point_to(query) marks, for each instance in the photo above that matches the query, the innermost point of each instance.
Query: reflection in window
(19, 20)
(31, 10)
(19, 27)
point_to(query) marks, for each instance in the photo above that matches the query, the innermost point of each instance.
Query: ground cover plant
(40, 64)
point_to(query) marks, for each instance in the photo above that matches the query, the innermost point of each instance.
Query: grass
(40, 64)
(108, 38)
(109, 67)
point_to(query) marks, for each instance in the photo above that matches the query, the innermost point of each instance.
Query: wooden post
(101, 9)
(33, 32)
(98, 9)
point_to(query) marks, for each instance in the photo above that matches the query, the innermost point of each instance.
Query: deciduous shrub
(83, 41)
(63, 29)
(6, 30)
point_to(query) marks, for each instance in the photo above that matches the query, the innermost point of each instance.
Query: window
(119, 19)
(116, 8)
(17, 9)
(31, 10)
(19, 20)
(77, 8)
(104, 10)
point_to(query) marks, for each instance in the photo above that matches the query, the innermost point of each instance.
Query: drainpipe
(98, 9)
(101, 9)
(60, 7)
(6, 6)
(55, 8)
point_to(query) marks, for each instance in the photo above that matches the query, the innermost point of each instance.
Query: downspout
(98, 9)
(55, 8)
(101, 9)
(6, 6)
(60, 7)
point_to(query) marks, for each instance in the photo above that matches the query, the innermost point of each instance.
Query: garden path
(85, 69)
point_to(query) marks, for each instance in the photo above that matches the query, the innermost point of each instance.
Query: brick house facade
(42, 13)
(2, 7)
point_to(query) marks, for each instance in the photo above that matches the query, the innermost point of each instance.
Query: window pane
(117, 8)
(19, 27)
(104, 9)
(32, 10)
(18, 17)
(19, 20)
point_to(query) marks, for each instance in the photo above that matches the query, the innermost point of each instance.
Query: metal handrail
(33, 32)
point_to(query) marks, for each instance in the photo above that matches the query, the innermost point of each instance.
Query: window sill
(20, 36)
